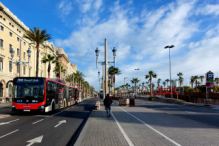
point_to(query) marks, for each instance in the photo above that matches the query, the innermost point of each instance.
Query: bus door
(60, 96)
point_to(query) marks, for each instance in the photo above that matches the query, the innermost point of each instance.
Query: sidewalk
(5, 105)
(101, 130)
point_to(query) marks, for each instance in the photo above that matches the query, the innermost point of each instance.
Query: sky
(138, 29)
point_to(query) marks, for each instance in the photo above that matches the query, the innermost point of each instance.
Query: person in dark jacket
(107, 102)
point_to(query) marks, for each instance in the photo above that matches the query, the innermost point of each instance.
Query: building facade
(11, 37)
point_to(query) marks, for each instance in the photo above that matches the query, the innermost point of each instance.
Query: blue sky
(138, 29)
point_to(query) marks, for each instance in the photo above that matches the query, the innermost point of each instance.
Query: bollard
(97, 105)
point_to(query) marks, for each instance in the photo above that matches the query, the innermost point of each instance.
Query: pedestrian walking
(107, 102)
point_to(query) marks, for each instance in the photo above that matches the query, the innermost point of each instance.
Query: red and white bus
(41, 94)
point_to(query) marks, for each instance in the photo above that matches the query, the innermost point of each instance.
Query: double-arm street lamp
(105, 63)
(171, 46)
(20, 62)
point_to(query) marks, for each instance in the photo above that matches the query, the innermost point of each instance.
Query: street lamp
(105, 63)
(20, 62)
(171, 46)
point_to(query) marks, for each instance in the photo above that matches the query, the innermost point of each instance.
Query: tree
(78, 75)
(201, 77)
(195, 80)
(216, 80)
(70, 78)
(59, 69)
(135, 80)
(50, 59)
(114, 71)
(180, 78)
(164, 84)
(142, 86)
(151, 75)
(167, 80)
(192, 81)
(158, 82)
(37, 37)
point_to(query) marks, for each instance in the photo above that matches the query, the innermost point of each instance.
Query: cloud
(209, 10)
(140, 36)
(64, 8)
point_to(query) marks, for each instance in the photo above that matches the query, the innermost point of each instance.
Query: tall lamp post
(171, 46)
(105, 63)
(20, 62)
(99, 78)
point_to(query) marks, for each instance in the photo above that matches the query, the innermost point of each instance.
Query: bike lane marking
(37, 121)
(9, 133)
(177, 144)
(123, 132)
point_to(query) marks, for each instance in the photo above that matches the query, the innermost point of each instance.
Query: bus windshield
(28, 90)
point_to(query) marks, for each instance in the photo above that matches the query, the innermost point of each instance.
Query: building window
(10, 66)
(10, 23)
(24, 55)
(4, 19)
(18, 51)
(57, 52)
(57, 58)
(1, 43)
(18, 39)
(18, 68)
(1, 64)
(24, 43)
(24, 70)
(2, 28)
(10, 34)
(10, 47)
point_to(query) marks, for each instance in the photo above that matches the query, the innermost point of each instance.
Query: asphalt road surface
(55, 128)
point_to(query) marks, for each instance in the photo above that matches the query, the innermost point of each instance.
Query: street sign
(210, 77)
(208, 84)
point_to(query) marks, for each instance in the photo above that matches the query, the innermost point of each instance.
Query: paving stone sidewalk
(101, 130)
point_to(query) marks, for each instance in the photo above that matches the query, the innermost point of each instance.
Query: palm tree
(202, 78)
(79, 75)
(195, 79)
(114, 71)
(70, 78)
(209, 71)
(192, 81)
(50, 59)
(158, 82)
(150, 76)
(127, 85)
(216, 80)
(59, 69)
(135, 80)
(167, 80)
(37, 37)
(164, 84)
(180, 80)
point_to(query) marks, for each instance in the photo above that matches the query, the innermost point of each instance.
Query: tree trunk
(151, 86)
(37, 61)
(49, 70)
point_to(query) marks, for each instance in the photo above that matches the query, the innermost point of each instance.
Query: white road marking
(56, 114)
(3, 123)
(190, 112)
(35, 140)
(123, 132)
(177, 144)
(37, 121)
(60, 122)
(9, 133)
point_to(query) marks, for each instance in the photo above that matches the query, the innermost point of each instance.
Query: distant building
(176, 83)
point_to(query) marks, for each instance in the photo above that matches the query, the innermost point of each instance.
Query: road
(156, 123)
(56, 128)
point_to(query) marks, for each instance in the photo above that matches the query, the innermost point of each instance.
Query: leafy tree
(59, 68)
(192, 81)
(216, 80)
(151, 75)
(37, 37)
(187, 89)
(50, 59)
